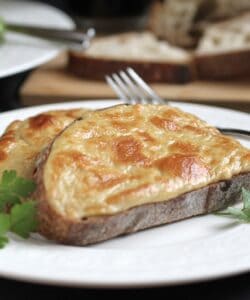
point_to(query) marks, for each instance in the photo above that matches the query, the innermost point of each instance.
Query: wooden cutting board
(53, 83)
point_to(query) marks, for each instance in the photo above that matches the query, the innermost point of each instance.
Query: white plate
(21, 52)
(192, 250)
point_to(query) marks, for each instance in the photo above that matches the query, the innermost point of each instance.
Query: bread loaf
(181, 22)
(154, 60)
(224, 50)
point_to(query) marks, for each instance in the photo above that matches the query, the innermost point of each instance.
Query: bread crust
(96, 229)
(224, 65)
(96, 68)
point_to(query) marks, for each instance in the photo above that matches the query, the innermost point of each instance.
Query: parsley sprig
(16, 215)
(2, 29)
(240, 214)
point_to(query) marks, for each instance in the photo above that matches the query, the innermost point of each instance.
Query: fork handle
(237, 132)
(67, 35)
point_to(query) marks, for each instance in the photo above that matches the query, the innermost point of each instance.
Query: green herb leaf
(3, 241)
(2, 29)
(7, 199)
(13, 188)
(240, 214)
(21, 216)
(18, 185)
(23, 219)
(4, 223)
(246, 198)
(4, 228)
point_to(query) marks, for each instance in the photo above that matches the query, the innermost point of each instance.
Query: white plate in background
(21, 52)
(197, 249)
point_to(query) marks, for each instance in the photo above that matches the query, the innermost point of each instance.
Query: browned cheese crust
(23, 140)
(91, 230)
(127, 168)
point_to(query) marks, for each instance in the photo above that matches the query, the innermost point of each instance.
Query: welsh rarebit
(127, 168)
(23, 140)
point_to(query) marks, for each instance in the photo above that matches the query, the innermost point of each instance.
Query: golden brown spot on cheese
(182, 147)
(7, 139)
(247, 157)
(171, 114)
(188, 167)
(146, 137)
(3, 155)
(73, 113)
(41, 121)
(164, 123)
(106, 179)
(196, 130)
(225, 142)
(124, 126)
(134, 114)
(129, 150)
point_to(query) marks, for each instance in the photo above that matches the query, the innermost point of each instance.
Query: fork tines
(130, 87)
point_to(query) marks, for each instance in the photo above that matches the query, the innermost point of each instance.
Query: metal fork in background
(74, 37)
(130, 87)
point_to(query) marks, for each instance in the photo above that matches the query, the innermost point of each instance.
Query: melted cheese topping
(125, 156)
(23, 140)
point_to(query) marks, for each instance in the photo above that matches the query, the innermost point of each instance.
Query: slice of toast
(127, 168)
(23, 140)
(229, 8)
(224, 50)
(174, 20)
(154, 60)
(182, 22)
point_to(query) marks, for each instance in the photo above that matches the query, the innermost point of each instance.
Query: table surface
(52, 82)
(237, 287)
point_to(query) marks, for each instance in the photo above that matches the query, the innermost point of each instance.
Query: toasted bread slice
(23, 140)
(224, 50)
(127, 168)
(154, 60)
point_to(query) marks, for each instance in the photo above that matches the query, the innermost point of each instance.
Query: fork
(76, 38)
(130, 87)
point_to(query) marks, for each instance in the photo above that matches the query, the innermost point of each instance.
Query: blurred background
(106, 15)
(190, 50)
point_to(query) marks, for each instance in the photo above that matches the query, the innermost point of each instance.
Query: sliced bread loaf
(154, 60)
(182, 22)
(224, 50)
(174, 20)
(230, 8)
